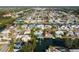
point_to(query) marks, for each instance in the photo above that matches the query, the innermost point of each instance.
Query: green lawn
(6, 21)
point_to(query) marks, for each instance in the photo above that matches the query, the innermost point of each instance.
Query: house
(64, 27)
(33, 21)
(39, 21)
(41, 26)
(51, 21)
(5, 42)
(30, 26)
(70, 33)
(11, 27)
(39, 34)
(27, 31)
(15, 15)
(15, 50)
(74, 50)
(62, 21)
(18, 36)
(24, 26)
(77, 32)
(73, 27)
(47, 26)
(48, 33)
(19, 21)
(6, 38)
(5, 32)
(25, 38)
(53, 49)
(59, 33)
(57, 49)
(30, 17)
(7, 15)
(27, 21)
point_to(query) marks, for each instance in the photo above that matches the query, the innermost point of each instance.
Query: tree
(27, 48)
(75, 43)
(30, 46)
(68, 42)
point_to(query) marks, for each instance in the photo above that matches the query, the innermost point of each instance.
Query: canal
(43, 44)
(1, 29)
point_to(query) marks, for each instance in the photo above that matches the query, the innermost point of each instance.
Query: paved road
(4, 48)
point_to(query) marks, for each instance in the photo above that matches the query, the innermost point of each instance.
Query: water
(44, 44)
(1, 29)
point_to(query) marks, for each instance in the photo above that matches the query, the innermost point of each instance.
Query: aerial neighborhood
(39, 30)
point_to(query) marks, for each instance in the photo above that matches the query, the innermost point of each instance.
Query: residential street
(4, 48)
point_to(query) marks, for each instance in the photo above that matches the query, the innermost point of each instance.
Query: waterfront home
(57, 49)
(52, 49)
(70, 33)
(38, 32)
(77, 32)
(26, 38)
(48, 33)
(59, 33)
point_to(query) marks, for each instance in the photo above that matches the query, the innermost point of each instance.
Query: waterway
(43, 44)
(1, 29)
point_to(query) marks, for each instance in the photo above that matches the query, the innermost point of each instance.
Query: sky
(39, 3)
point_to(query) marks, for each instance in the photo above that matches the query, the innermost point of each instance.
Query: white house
(27, 31)
(25, 38)
(70, 33)
(40, 26)
(63, 27)
(59, 33)
(18, 36)
(48, 26)
(39, 34)
(5, 32)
